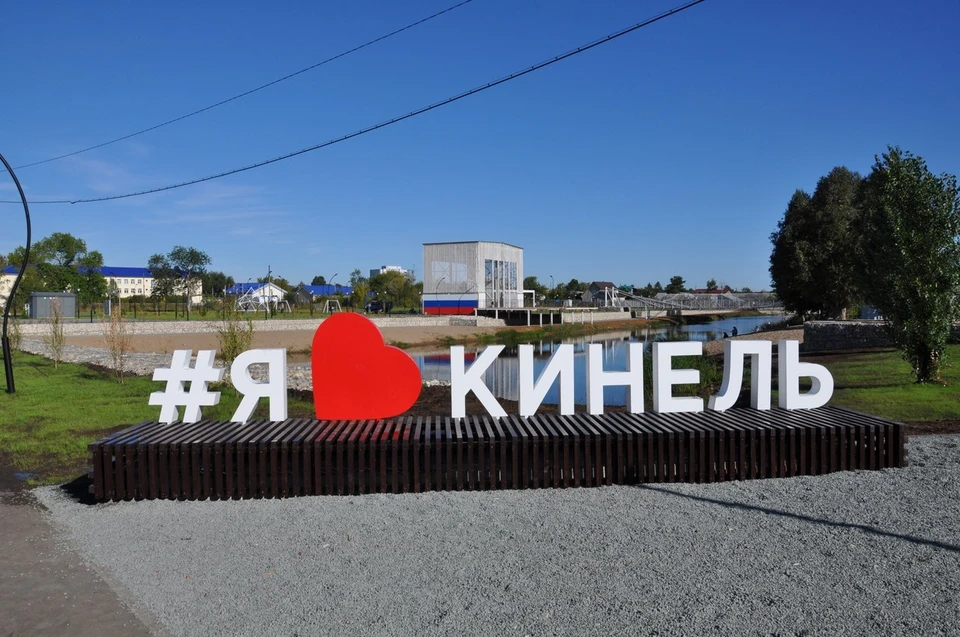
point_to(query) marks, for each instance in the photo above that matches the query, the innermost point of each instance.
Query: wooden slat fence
(264, 459)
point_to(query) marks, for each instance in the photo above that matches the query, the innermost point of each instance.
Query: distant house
(598, 292)
(264, 293)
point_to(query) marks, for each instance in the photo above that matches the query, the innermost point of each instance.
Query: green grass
(881, 383)
(46, 425)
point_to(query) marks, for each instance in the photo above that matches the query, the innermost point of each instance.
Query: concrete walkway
(45, 586)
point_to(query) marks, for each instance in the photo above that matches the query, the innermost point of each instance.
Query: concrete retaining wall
(271, 325)
(577, 317)
(820, 336)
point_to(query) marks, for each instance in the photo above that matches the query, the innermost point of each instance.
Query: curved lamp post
(7, 359)
(436, 294)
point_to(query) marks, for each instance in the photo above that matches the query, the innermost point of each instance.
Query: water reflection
(502, 377)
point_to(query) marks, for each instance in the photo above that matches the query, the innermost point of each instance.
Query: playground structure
(261, 300)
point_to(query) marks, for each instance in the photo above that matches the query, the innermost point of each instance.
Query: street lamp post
(436, 294)
(4, 340)
(553, 288)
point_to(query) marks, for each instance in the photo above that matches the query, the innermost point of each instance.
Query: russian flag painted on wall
(450, 304)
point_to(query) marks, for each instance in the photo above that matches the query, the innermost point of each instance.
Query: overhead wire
(251, 91)
(389, 122)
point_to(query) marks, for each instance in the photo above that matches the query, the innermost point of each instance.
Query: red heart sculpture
(356, 375)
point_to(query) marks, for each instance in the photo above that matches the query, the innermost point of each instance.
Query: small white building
(461, 277)
(383, 269)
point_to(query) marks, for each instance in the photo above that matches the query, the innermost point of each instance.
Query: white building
(125, 282)
(460, 277)
(383, 269)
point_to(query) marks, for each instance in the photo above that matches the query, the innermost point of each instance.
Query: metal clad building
(43, 304)
(460, 277)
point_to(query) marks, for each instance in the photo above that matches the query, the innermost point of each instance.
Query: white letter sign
(275, 389)
(791, 369)
(597, 379)
(761, 359)
(665, 377)
(532, 393)
(462, 382)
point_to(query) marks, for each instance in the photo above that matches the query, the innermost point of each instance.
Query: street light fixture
(4, 341)
(436, 294)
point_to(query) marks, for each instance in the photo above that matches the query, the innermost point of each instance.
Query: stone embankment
(81, 328)
(823, 336)
(143, 363)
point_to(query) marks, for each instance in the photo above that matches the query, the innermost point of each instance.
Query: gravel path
(866, 553)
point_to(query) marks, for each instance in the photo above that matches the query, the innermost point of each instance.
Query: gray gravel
(866, 553)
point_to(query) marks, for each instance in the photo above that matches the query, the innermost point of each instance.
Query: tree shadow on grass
(806, 518)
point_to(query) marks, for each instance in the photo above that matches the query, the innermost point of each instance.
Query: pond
(502, 377)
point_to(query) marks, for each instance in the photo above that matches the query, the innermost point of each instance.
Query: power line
(419, 111)
(252, 91)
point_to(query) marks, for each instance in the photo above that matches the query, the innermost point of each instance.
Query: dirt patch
(935, 428)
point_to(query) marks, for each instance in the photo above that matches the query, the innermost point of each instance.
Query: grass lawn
(881, 383)
(45, 427)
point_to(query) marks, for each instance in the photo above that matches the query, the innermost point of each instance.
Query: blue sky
(672, 150)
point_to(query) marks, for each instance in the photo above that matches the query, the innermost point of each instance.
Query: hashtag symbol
(177, 375)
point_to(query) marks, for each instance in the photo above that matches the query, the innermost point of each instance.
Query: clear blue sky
(673, 150)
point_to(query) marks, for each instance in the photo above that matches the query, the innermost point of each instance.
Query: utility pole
(269, 308)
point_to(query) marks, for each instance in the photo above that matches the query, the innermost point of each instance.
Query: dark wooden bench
(264, 459)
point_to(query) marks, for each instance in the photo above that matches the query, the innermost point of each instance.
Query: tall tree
(676, 285)
(911, 255)
(318, 280)
(356, 278)
(216, 282)
(531, 283)
(58, 263)
(178, 272)
(712, 285)
(813, 264)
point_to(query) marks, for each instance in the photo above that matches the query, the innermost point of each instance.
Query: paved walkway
(45, 586)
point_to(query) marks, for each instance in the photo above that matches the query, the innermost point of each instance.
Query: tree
(813, 264)
(361, 289)
(574, 288)
(676, 285)
(396, 287)
(91, 284)
(62, 248)
(178, 272)
(356, 278)
(216, 282)
(279, 281)
(531, 283)
(911, 256)
(59, 263)
(319, 280)
(712, 285)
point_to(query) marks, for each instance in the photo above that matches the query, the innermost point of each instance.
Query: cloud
(105, 177)
(236, 206)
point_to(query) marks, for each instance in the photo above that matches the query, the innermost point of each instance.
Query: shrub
(54, 339)
(235, 334)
